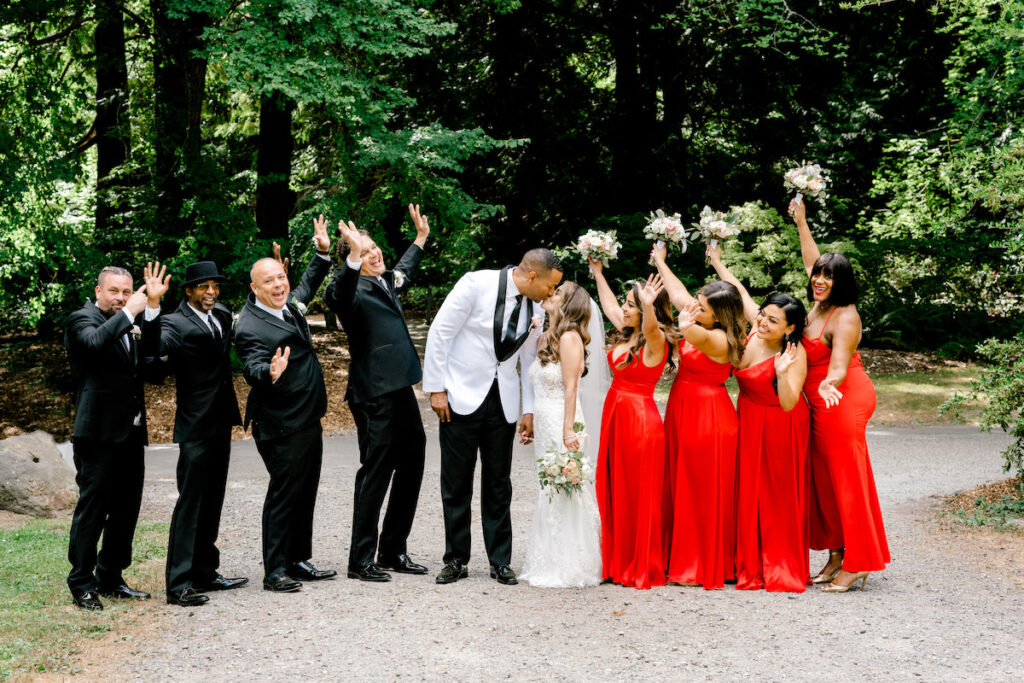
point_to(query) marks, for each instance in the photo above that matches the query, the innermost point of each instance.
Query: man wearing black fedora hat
(194, 343)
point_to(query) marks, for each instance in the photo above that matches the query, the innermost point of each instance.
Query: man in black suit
(286, 401)
(383, 369)
(109, 438)
(195, 343)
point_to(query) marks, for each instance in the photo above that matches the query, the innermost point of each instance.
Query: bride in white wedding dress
(564, 548)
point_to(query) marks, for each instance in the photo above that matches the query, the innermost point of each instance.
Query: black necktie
(214, 329)
(288, 317)
(513, 321)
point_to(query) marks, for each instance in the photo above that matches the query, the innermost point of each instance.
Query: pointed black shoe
(504, 574)
(452, 572)
(400, 563)
(220, 583)
(122, 590)
(88, 600)
(307, 572)
(186, 597)
(368, 572)
(281, 583)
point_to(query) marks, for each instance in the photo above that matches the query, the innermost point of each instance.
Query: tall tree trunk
(113, 126)
(179, 89)
(275, 200)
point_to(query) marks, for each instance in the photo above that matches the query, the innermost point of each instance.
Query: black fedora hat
(201, 271)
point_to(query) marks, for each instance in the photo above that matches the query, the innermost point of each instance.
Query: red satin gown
(844, 510)
(630, 476)
(771, 486)
(700, 433)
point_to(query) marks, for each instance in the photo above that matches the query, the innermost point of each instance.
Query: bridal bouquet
(564, 471)
(600, 246)
(807, 179)
(717, 225)
(666, 229)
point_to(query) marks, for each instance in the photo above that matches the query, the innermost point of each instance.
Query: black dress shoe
(281, 583)
(504, 574)
(307, 572)
(88, 600)
(219, 583)
(452, 572)
(368, 572)
(400, 563)
(122, 590)
(186, 597)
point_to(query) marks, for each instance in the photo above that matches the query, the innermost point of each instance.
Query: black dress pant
(293, 462)
(192, 555)
(109, 477)
(486, 431)
(391, 442)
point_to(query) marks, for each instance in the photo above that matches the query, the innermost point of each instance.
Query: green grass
(38, 622)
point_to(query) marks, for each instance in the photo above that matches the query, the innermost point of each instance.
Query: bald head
(270, 283)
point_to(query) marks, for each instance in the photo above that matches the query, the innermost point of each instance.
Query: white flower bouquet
(808, 179)
(600, 246)
(564, 471)
(666, 229)
(717, 225)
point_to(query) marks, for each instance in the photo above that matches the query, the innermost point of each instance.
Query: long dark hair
(726, 305)
(663, 312)
(793, 309)
(573, 316)
(844, 284)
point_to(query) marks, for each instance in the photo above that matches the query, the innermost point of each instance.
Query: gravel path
(941, 611)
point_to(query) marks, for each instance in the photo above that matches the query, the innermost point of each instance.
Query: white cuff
(151, 313)
(354, 265)
(131, 318)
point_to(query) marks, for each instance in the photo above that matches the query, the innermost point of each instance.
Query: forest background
(178, 130)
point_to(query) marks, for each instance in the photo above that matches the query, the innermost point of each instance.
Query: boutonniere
(136, 332)
(399, 279)
(299, 305)
(537, 320)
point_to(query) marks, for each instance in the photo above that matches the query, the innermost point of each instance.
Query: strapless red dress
(630, 477)
(771, 486)
(844, 510)
(700, 433)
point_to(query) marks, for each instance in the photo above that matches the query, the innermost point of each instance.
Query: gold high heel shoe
(859, 576)
(822, 577)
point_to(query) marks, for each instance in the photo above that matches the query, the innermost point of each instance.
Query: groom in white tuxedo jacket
(486, 325)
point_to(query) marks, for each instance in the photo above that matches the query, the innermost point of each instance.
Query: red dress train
(844, 510)
(630, 477)
(771, 486)
(700, 433)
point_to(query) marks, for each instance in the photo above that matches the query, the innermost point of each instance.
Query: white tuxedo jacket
(460, 357)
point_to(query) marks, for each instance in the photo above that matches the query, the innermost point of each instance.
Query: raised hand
(279, 362)
(784, 359)
(651, 289)
(320, 238)
(658, 253)
(354, 238)
(797, 211)
(420, 221)
(595, 266)
(688, 315)
(157, 282)
(828, 392)
(137, 302)
(714, 253)
(277, 257)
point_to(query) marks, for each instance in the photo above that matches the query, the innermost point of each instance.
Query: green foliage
(997, 513)
(1000, 389)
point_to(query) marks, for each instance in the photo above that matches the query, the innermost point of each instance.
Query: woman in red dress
(631, 458)
(845, 517)
(701, 429)
(771, 468)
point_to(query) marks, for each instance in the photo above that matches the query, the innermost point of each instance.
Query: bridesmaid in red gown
(771, 470)
(845, 517)
(701, 429)
(631, 457)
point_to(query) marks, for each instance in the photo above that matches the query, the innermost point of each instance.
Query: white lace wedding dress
(564, 549)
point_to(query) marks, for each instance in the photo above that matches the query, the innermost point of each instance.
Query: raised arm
(422, 225)
(570, 357)
(712, 343)
(605, 295)
(654, 349)
(677, 292)
(790, 373)
(342, 291)
(750, 309)
(845, 339)
(808, 247)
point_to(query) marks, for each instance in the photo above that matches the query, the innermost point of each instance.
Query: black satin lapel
(529, 326)
(499, 312)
